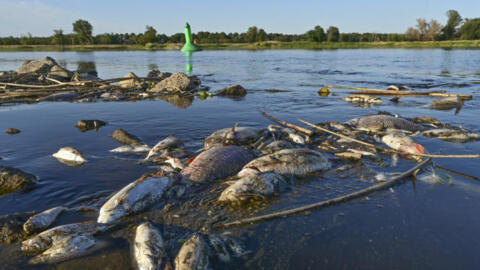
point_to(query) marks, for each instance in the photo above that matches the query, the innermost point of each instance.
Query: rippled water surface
(413, 226)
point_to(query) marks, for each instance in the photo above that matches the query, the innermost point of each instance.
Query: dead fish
(277, 146)
(42, 220)
(148, 247)
(70, 154)
(169, 142)
(403, 143)
(235, 135)
(124, 137)
(446, 103)
(362, 99)
(130, 149)
(59, 96)
(397, 88)
(133, 198)
(382, 122)
(44, 240)
(425, 120)
(288, 161)
(176, 163)
(290, 135)
(451, 135)
(264, 184)
(67, 248)
(193, 254)
(216, 163)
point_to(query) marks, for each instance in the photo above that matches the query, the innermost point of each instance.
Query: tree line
(455, 28)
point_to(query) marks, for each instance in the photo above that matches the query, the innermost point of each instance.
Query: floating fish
(124, 137)
(42, 220)
(71, 155)
(133, 198)
(235, 135)
(67, 248)
(148, 247)
(451, 135)
(62, 96)
(447, 103)
(403, 143)
(263, 184)
(44, 240)
(362, 99)
(288, 161)
(130, 149)
(216, 163)
(169, 142)
(193, 254)
(277, 146)
(377, 123)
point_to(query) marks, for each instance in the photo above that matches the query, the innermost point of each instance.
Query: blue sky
(40, 17)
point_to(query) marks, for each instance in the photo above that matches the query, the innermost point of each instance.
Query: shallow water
(421, 226)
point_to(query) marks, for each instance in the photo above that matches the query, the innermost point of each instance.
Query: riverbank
(457, 44)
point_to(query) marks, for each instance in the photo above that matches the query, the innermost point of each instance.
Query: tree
(454, 20)
(150, 35)
(422, 27)
(317, 34)
(58, 37)
(333, 34)
(470, 29)
(434, 30)
(261, 35)
(83, 30)
(252, 34)
(412, 34)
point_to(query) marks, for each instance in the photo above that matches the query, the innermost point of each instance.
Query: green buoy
(189, 46)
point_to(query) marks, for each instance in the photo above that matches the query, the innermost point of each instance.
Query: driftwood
(385, 149)
(372, 91)
(285, 124)
(338, 200)
(458, 173)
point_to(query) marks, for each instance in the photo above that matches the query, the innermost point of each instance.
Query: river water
(417, 225)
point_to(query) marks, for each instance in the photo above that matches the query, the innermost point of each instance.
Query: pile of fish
(250, 163)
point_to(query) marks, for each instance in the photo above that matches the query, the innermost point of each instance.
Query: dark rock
(157, 74)
(11, 227)
(12, 131)
(84, 125)
(126, 138)
(232, 91)
(12, 179)
(177, 82)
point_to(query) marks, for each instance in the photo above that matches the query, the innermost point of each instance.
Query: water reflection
(188, 63)
(87, 67)
(178, 101)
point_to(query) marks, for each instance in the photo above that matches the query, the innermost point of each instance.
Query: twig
(53, 80)
(458, 173)
(372, 91)
(385, 149)
(283, 123)
(333, 201)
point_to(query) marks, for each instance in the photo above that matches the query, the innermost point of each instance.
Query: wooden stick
(385, 149)
(337, 200)
(283, 123)
(458, 173)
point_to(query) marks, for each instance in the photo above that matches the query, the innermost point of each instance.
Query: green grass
(267, 45)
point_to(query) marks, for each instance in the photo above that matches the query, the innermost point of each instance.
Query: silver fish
(133, 198)
(70, 154)
(59, 96)
(403, 143)
(148, 248)
(235, 135)
(264, 184)
(42, 220)
(44, 240)
(288, 161)
(382, 122)
(451, 135)
(216, 163)
(276, 146)
(362, 99)
(169, 142)
(67, 248)
(446, 103)
(193, 254)
(132, 149)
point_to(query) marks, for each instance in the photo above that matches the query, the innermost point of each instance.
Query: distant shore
(458, 44)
